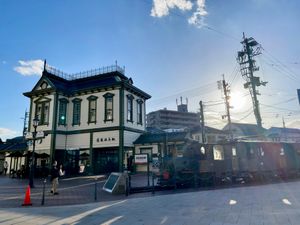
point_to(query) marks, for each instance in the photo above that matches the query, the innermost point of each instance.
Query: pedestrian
(5, 166)
(54, 178)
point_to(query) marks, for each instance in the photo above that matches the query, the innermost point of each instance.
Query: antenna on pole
(202, 122)
(251, 48)
(226, 91)
(25, 123)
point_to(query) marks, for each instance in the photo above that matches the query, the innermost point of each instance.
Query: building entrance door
(105, 161)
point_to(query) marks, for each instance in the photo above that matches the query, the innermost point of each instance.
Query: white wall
(130, 137)
(84, 112)
(76, 141)
(143, 167)
(134, 124)
(43, 146)
(153, 146)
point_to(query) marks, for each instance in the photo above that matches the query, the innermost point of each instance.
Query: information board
(111, 182)
(141, 159)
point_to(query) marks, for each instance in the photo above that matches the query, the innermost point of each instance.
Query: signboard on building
(141, 159)
(39, 134)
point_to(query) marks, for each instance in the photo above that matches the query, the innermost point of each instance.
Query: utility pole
(226, 91)
(25, 126)
(202, 122)
(284, 129)
(247, 66)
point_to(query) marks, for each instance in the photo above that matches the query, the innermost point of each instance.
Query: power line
(281, 68)
(245, 116)
(282, 64)
(280, 108)
(221, 33)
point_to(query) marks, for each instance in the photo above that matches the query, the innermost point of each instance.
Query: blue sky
(166, 54)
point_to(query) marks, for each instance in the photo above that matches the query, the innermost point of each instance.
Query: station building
(90, 119)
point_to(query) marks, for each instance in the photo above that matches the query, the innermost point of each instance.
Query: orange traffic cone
(27, 201)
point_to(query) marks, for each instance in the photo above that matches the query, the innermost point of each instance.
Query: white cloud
(197, 18)
(7, 133)
(161, 7)
(30, 67)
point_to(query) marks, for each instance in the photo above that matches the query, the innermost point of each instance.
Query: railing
(84, 74)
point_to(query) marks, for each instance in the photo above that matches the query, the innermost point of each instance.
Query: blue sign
(298, 91)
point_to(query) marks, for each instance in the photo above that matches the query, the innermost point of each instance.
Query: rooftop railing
(84, 74)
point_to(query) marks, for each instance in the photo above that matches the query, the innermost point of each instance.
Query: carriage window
(202, 150)
(250, 153)
(282, 151)
(233, 151)
(218, 152)
(262, 153)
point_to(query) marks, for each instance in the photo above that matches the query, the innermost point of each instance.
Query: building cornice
(103, 129)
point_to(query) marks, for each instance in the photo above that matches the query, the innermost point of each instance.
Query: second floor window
(130, 108)
(92, 109)
(62, 120)
(139, 111)
(76, 111)
(108, 115)
(42, 112)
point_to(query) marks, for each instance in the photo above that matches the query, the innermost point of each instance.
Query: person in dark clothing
(54, 178)
(5, 166)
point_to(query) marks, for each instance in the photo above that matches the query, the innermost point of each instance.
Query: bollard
(129, 182)
(44, 186)
(127, 186)
(153, 187)
(95, 195)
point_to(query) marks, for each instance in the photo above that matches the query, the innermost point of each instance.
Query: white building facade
(90, 119)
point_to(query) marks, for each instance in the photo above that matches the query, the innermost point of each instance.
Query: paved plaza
(264, 204)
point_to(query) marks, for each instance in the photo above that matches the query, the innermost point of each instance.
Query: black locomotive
(234, 162)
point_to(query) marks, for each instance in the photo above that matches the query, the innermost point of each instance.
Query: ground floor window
(105, 160)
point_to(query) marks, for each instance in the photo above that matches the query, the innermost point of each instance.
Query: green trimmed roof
(71, 87)
(17, 144)
(149, 138)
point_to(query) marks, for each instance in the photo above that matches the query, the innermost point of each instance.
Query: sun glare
(237, 101)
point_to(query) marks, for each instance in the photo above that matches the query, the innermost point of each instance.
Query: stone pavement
(72, 191)
(265, 204)
(76, 190)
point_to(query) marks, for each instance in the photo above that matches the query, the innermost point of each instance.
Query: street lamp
(32, 165)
